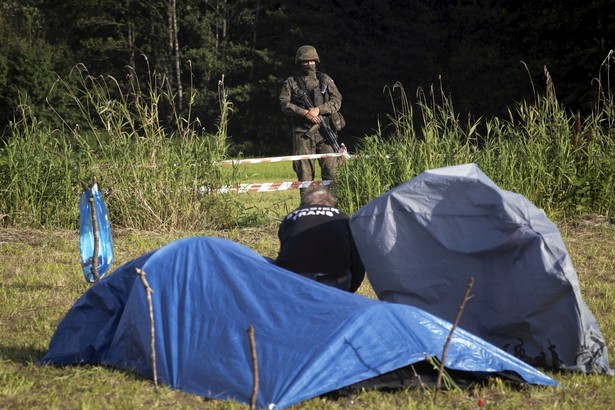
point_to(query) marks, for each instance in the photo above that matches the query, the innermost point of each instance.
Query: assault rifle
(328, 133)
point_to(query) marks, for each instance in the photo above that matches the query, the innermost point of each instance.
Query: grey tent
(422, 241)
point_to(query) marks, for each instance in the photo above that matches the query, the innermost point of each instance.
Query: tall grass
(156, 165)
(385, 161)
(561, 162)
(155, 173)
(35, 175)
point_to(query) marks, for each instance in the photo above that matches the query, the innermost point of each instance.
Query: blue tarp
(310, 339)
(92, 197)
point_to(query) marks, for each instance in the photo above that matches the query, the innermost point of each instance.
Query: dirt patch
(587, 225)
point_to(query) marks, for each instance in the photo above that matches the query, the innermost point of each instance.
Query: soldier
(325, 99)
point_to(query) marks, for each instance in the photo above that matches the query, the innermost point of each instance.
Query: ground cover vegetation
(41, 279)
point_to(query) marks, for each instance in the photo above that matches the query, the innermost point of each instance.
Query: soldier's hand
(313, 115)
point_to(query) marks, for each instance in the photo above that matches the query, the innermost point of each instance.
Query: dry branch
(95, 230)
(254, 368)
(466, 297)
(148, 293)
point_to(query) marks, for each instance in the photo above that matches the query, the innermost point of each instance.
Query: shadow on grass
(21, 354)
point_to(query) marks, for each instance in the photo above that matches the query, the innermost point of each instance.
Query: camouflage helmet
(306, 53)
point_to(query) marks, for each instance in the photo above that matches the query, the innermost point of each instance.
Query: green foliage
(26, 62)
(36, 176)
(475, 48)
(561, 162)
(448, 382)
(383, 163)
(153, 178)
(158, 174)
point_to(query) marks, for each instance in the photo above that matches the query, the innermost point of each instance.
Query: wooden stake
(96, 241)
(148, 293)
(96, 232)
(254, 368)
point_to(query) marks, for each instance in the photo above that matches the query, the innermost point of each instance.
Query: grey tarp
(422, 241)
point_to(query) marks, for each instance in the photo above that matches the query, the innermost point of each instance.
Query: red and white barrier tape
(285, 158)
(272, 186)
(252, 160)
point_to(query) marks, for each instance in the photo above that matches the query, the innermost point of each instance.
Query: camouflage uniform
(291, 104)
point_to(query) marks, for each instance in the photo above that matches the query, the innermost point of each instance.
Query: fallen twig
(418, 377)
(254, 368)
(148, 293)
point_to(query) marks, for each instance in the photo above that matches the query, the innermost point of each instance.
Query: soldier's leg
(302, 146)
(304, 168)
(328, 166)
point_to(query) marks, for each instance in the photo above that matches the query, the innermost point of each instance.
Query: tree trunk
(175, 48)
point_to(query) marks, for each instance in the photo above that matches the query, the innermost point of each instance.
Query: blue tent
(310, 339)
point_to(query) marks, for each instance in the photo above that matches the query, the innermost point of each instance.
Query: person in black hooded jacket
(316, 242)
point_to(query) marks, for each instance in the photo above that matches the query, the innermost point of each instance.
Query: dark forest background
(485, 55)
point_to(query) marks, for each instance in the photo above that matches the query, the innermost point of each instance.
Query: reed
(155, 173)
(561, 162)
(157, 167)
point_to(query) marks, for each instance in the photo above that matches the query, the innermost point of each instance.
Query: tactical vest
(318, 95)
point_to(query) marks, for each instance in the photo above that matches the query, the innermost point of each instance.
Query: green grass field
(40, 279)
(562, 163)
(270, 206)
(266, 172)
